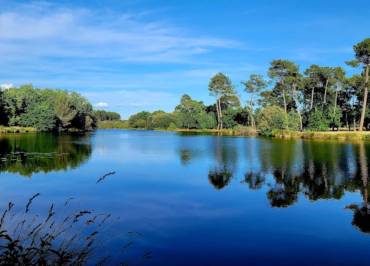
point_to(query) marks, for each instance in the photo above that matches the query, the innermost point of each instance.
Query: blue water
(205, 200)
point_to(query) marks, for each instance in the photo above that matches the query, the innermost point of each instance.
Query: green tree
(318, 121)
(102, 115)
(362, 52)
(283, 72)
(141, 120)
(271, 118)
(220, 86)
(254, 86)
(189, 113)
(41, 117)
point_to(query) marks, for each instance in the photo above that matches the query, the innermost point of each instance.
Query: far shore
(244, 132)
(283, 134)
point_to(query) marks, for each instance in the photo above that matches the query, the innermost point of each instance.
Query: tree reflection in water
(226, 156)
(27, 154)
(316, 169)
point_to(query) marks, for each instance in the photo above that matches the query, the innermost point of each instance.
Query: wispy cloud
(44, 30)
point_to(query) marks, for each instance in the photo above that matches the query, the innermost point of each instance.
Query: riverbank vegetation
(27, 108)
(317, 99)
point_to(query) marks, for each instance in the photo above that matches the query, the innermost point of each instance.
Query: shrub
(294, 122)
(317, 121)
(271, 118)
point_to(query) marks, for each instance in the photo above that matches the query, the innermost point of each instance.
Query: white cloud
(39, 30)
(101, 104)
(6, 86)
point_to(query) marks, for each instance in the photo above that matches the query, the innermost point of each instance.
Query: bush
(271, 118)
(41, 117)
(317, 121)
(334, 117)
(207, 120)
(294, 121)
(228, 118)
(172, 126)
(162, 120)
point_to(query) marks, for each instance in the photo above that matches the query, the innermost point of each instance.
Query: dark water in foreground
(203, 200)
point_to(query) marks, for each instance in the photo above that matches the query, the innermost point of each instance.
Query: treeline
(102, 115)
(319, 98)
(45, 109)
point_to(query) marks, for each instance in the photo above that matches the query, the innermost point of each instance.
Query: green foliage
(207, 120)
(102, 115)
(220, 85)
(294, 121)
(228, 118)
(318, 121)
(334, 117)
(161, 120)
(41, 117)
(140, 120)
(190, 113)
(172, 126)
(362, 51)
(46, 109)
(271, 118)
(121, 124)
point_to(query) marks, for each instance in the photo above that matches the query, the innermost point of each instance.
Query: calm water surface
(203, 200)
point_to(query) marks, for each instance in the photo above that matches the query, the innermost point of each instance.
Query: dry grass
(4, 130)
(334, 135)
(239, 131)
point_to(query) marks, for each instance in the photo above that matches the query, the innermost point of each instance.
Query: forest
(45, 109)
(319, 98)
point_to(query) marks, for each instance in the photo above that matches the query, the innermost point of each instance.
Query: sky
(133, 55)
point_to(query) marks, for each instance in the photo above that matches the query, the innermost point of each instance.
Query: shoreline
(281, 134)
(248, 132)
(17, 130)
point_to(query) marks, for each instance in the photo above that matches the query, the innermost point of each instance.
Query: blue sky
(136, 55)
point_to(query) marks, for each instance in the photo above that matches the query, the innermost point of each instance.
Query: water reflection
(26, 154)
(226, 157)
(289, 168)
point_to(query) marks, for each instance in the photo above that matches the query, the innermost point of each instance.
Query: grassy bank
(4, 130)
(338, 135)
(248, 131)
(119, 124)
(225, 132)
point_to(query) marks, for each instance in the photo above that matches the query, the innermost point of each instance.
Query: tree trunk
(252, 121)
(326, 89)
(218, 115)
(335, 106)
(220, 109)
(285, 105)
(364, 104)
(251, 113)
(312, 94)
(296, 103)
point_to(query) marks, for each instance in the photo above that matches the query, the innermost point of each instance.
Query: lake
(186, 199)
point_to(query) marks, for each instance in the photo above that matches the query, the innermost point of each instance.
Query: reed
(59, 236)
